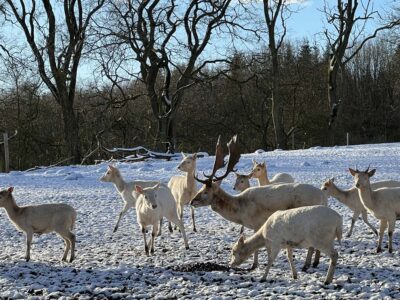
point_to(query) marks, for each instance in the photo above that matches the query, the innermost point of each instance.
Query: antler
(234, 156)
(366, 171)
(218, 163)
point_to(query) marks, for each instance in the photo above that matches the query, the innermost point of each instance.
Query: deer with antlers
(252, 207)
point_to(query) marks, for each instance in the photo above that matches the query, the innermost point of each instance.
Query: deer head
(361, 178)
(259, 169)
(242, 181)
(188, 163)
(327, 184)
(111, 174)
(206, 193)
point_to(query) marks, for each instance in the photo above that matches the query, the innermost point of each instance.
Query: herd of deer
(282, 213)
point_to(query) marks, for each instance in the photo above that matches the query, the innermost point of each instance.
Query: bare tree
(166, 39)
(57, 49)
(348, 35)
(276, 13)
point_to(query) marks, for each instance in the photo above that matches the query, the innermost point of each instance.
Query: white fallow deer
(255, 205)
(126, 191)
(242, 183)
(383, 203)
(44, 218)
(153, 204)
(314, 226)
(183, 187)
(351, 199)
(260, 172)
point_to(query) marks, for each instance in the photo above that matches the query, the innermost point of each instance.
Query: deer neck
(365, 194)
(263, 179)
(12, 209)
(119, 183)
(227, 206)
(190, 182)
(339, 194)
(253, 243)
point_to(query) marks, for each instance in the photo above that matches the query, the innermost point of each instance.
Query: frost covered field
(114, 265)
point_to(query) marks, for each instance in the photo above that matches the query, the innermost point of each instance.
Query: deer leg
(67, 247)
(159, 228)
(353, 221)
(180, 213)
(153, 237)
(194, 224)
(146, 248)
(29, 236)
(179, 223)
(272, 254)
(121, 214)
(382, 229)
(255, 263)
(364, 216)
(390, 234)
(334, 257)
(72, 240)
(316, 258)
(307, 263)
(290, 258)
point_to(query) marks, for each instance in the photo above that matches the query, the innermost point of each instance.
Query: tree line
(157, 84)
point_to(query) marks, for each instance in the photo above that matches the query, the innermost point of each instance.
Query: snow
(115, 266)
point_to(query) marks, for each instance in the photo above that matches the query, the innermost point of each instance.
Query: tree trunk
(334, 103)
(277, 118)
(71, 131)
(165, 140)
(277, 103)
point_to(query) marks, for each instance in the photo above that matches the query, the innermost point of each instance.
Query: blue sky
(308, 22)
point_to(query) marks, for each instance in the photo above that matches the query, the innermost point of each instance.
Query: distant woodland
(173, 75)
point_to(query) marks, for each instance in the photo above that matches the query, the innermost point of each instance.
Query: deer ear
(138, 189)
(194, 156)
(254, 161)
(263, 163)
(352, 172)
(371, 173)
(241, 239)
(10, 189)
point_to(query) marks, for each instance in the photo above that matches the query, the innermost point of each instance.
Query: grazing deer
(252, 207)
(383, 203)
(259, 171)
(314, 226)
(183, 187)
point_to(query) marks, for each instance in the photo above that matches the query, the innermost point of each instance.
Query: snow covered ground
(115, 266)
